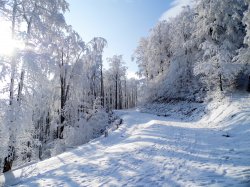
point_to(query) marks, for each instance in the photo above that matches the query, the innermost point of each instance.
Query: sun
(7, 44)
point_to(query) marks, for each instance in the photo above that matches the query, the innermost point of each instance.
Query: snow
(150, 150)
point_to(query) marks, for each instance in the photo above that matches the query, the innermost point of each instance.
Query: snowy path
(149, 150)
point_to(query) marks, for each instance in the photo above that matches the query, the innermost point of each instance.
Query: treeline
(202, 50)
(121, 93)
(54, 91)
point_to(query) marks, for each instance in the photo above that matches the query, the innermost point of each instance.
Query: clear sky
(121, 22)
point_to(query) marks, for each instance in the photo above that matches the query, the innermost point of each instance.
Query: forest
(204, 50)
(55, 92)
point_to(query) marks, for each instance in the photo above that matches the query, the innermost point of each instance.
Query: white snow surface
(149, 150)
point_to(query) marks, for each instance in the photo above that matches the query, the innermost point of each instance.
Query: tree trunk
(10, 158)
(221, 86)
(116, 91)
(248, 87)
(136, 96)
(20, 87)
(120, 95)
(8, 161)
(63, 92)
(102, 88)
(125, 95)
(111, 98)
(62, 118)
(12, 81)
(7, 164)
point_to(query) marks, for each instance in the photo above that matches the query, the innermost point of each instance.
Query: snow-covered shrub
(59, 147)
(98, 123)
(79, 134)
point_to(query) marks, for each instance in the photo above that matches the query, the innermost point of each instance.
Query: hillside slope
(148, 150)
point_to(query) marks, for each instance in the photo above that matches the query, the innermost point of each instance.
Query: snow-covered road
(149, 150)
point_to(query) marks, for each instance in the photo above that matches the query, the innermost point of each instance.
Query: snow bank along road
(148, 150)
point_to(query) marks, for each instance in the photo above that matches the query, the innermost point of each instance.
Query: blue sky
(121, 22)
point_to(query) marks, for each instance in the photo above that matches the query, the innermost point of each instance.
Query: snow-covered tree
(116, 75)
(46, 90)
(98, 44)
(243, 58)
(220, 34)
(195, 52)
